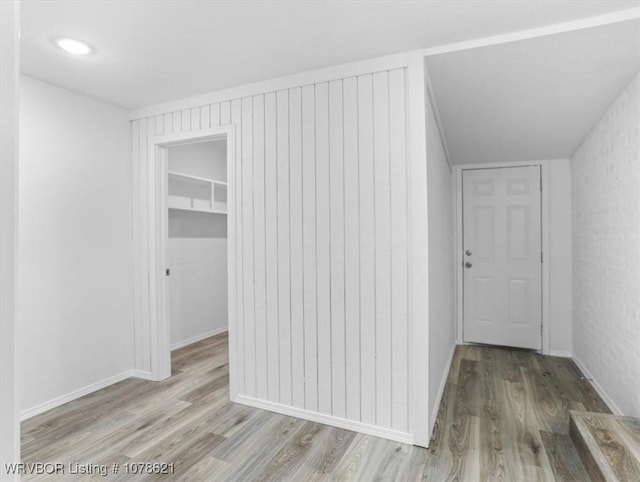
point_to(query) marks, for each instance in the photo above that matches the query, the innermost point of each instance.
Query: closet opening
(197, 275)
(191, 275)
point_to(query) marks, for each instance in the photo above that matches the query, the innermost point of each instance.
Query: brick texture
(606, 251)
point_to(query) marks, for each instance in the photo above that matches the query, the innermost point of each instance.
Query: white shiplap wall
(321, 245)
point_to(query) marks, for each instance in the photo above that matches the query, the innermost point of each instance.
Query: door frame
(544, 225)
(157, 336)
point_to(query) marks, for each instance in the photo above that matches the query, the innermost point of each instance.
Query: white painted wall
(322, 242)
(560, 299)
(205, 159)
(442, 324)
(198, 252)
(75, 287)
(605, 179)
(9, 100)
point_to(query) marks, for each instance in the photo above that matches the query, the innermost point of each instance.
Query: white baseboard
(612, 406)
(385, 433)
(443, 382)
(560, 353)
(143, 374)
(197, 338)
(80, 392)
(93, 387)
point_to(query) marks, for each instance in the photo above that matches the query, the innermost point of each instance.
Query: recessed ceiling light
(72, 46)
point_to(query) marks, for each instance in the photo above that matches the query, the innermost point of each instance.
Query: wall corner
(418, 251)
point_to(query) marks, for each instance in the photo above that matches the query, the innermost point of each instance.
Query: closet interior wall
(197, 248)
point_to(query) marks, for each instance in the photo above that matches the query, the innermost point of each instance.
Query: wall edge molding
(364, 428)
(537, 32)
(197, 338)
(443, 383)
(75, 394)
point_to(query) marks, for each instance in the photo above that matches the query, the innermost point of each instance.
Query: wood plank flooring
(610, 445)
(504, 416)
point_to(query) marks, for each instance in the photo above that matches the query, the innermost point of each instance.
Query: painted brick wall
(606, 251)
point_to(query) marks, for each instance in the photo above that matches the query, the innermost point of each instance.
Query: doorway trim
(156, 336)
(544, 200)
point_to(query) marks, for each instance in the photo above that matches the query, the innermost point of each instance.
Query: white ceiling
(532, 99)
(154, 51)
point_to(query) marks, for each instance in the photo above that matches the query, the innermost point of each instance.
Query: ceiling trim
(326, 74)
(589, 22)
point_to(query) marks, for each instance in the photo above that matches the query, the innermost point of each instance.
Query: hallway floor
(504, 416)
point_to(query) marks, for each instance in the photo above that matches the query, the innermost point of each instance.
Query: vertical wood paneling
(259, 255)
(321, 256)
(323, 238)
(185, 120)
(159, 125)
(352, 247)
(214, 115)
(248, 268)
(284, 247)
(194, 125)
(367, 250)
(382, 221)
(336, 208)
(176, 121)
(168, 123)
(271, 246)
(310, 256)
(205, 117)
(225, 113)
(236, 118)
(297, 265)
(399, 250)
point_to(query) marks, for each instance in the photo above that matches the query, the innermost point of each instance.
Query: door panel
(502, 280)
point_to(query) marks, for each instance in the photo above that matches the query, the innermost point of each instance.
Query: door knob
(467, 265)
(468, 252)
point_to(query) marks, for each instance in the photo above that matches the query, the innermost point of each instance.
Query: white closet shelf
(197, 210)
(196, 178)
(198, 194)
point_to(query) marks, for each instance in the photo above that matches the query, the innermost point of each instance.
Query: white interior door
(502, 259)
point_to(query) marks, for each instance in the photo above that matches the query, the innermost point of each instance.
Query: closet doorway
(191, 275)
(197, 241)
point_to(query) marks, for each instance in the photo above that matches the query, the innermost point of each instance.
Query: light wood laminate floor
(504, 416)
